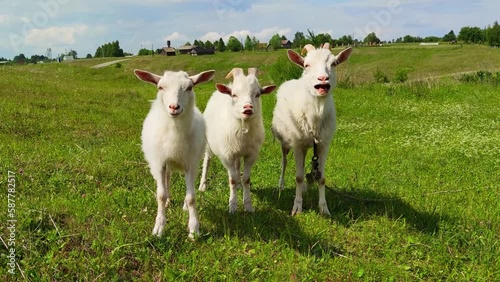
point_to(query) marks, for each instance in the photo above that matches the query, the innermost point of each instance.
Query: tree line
(489, 35)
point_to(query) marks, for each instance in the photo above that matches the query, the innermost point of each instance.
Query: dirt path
(108, 63)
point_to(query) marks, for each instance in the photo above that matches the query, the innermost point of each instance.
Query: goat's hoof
(249, 209)
(323, 209)
(296, 210)
(203, 187)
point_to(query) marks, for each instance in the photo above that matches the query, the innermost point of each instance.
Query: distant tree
(249, 44)
(73, 53)
(492, 34)
(199, 43)
(234, 45)
(221, 46)
(323, 38)
(275, 42)
(411, 39)
(450, 36)
(111, 49)
(209, 45)
(187, 44)
(255, 42)
(299, 40)
(89, 56)
(20, 59)
(432, 39)
(2, 59)
(471, 34)
(144, 52)
(371, 37)
(312, 39)
(345, 40)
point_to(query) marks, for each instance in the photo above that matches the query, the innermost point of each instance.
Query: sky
(32, 26)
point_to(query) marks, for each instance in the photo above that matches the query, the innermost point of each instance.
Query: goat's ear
(147, 76)
(343, 56)
(223, 89)
(267, 89)
(296, 58)
(202, 77)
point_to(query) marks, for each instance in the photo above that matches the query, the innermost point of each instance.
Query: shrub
(118, 65)
(284, 70)
(380, 76)
(401, 75)
(480, 77)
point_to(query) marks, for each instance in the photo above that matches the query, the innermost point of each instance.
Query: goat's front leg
(322, 154)
(162, 177)
(249, 161)
(299, 155)
(189, 202)
(234, 181)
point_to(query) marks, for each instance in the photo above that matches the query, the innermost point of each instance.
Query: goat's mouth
(247, 113)
(322, 89)
(175, 113)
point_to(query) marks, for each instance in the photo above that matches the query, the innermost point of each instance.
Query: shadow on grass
(269, 225)
(349, 206)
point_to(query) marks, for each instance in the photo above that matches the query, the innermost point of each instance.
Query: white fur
(173, 138)
(231, 135)
(304, 115)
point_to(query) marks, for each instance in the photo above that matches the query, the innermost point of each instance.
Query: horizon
(64, 25)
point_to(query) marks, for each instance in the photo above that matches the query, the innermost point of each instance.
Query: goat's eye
(234, 95)
(160, 88)
(307, 66)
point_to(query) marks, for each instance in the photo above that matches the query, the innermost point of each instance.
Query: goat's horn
(307, 48)
(326, 46)
(253, 71)
(235, 72)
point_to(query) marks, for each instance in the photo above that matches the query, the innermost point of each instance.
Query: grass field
(413, 177)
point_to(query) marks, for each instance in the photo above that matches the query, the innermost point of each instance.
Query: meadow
(413, 177)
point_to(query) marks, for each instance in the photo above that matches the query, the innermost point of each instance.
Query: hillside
(420, 61)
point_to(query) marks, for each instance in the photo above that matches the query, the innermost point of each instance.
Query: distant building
(286, 44)
(197, 50)
(186, 49)
(168, 51)
(262, 47)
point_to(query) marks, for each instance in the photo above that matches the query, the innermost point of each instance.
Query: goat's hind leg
(206, 164)
(284, 154)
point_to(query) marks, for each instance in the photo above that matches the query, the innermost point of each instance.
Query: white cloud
(53, 35)
(175, 36)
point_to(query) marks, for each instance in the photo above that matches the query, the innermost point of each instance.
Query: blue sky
(30, 27)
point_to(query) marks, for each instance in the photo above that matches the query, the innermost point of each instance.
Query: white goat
(173, 138)
(305, 115)
(235, 130)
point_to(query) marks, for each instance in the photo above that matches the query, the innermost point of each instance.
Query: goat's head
(175, 89)
(245, 92)
(319, 67)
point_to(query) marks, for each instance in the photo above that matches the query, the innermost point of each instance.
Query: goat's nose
(323, 78)
(248, 106)
(174, 106)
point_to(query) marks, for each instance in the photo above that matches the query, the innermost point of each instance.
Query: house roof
(187, 47)
(168, 49)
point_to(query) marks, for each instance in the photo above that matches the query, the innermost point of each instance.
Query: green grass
(413, 178)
